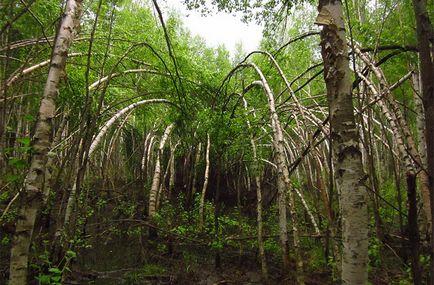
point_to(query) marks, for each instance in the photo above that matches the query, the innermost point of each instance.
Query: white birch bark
(118, 115)
(32, 196)
(349, 174)
(196, 163)
(172, 169)
(157, 173)
(205, 184)
(283, 183)
(255, 170)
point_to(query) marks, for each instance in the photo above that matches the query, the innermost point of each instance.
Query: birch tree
(349, 174)
(157, 173)
(32, 194)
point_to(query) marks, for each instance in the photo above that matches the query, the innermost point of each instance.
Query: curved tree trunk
(409, 145)
(283, 184)
(32, 196)
(119, 114)
(96, 141)
(349, 173)
(157, 173)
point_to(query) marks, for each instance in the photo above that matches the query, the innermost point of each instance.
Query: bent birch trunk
(157, 173)
(283, 184)
(97, 140)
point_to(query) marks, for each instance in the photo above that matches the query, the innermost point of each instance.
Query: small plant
(374, 253)
(49, 273)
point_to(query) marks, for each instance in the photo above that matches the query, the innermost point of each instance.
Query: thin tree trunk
(195, 171)
(157, 173)
(172, 170)
(349, 174)
(262, 257)
(283, 184)
(255, 170)
(144, 155)
(420, 126)
(32, 196)
(309, 212)
(413, 231)
(205, 184)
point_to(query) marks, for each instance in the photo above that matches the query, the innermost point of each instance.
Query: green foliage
(49, 273)
(272, 245)
(374, 252)
(5, 241)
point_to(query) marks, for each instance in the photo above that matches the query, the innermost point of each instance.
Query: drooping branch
(119, 114)
(129, 71)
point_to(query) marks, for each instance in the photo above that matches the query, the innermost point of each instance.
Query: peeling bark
(349, 174)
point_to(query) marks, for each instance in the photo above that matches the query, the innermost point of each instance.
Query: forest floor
(129, 261)
(112, 256)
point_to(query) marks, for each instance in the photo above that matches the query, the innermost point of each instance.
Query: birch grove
(155, 156)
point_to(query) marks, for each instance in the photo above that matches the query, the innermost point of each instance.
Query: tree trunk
(425, 44)
(349, 174)
(413, 231)
(255, 170)
(157, 173)
(283, 184)
(32, 196)
(172, 171)
(205, 184)
(262, 257)
(195, 171)
(420, 126)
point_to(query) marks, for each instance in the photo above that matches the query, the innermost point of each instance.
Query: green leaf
(71, 254)
(17, 163)
(24, 141)
(29, 118)
(55, 270)
(44, 279)
(12, 178)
